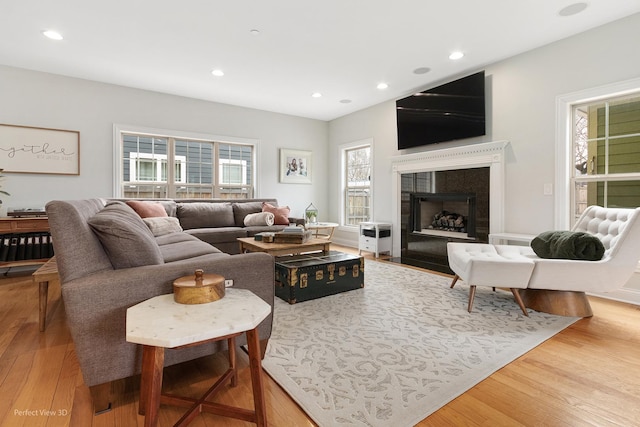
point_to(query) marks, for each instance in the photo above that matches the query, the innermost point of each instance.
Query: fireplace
(443, 214)
(440, 207)
(477, 169)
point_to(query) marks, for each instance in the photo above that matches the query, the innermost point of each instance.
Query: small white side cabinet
(374, 237)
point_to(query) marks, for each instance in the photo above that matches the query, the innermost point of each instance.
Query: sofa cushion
(205, 215)
(160, 226)
(242, 209)
(281, 213)
(147, 209)
(179, 246)
(575, 245)
(170, 206)
(125, 238)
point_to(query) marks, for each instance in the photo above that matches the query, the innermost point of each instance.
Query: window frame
(343, 149)
(603, 174)
(120, 129)
(564, 141)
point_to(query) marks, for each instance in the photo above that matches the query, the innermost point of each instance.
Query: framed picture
(296, 166)
(26, 149)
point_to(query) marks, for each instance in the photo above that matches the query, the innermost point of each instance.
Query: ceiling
(340, 48)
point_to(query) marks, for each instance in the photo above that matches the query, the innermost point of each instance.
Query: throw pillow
(281, 213)
(259, 218)
(125, 238)
(160, 226)
(575, 245)
(147, 209)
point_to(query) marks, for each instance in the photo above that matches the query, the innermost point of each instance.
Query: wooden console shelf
(23, 225)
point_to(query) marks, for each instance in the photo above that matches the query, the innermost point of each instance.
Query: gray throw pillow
(125, 238)
(205, 215)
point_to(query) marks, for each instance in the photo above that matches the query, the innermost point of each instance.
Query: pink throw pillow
(147, 209)
(281, 213)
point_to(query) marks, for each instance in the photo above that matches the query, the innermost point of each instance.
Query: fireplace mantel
(488, 154)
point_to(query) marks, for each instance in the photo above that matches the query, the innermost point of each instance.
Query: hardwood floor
(586, 375)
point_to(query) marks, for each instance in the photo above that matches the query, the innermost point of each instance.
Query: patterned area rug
(397, 350)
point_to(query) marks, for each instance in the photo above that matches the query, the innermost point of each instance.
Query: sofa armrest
(96, 307)
(110, 288)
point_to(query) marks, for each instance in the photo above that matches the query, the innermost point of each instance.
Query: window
(357, 183)
(605, 153)
(177, 167)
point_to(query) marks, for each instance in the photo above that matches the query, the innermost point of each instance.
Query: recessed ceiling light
(254, 32)
(217, 73)
(53, 35)
(421, 70)
(345, 101)
(456, 55)
(382, 86)
(573, 9)
(316, 95)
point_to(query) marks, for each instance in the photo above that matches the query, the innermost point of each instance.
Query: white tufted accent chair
(619, 231)
(555, 286)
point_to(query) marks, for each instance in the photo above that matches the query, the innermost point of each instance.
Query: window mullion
(171, 162)
(215, 165)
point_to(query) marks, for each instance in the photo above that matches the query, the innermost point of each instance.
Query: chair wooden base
(562, 303)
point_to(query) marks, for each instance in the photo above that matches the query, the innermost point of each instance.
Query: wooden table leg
(231, 343)
(151, 384)
(43, 294)
(255, 365)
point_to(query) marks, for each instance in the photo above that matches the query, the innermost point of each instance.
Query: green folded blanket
(568, 245)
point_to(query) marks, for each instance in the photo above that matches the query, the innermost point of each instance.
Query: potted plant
(311, 214)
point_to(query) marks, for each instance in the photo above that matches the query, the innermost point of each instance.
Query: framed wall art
(25, 149)
(296, 166)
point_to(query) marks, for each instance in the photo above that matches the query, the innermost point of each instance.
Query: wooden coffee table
(249, 244)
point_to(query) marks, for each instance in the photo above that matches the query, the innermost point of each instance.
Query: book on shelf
(25, 246)
(4, 250)
(13, 248)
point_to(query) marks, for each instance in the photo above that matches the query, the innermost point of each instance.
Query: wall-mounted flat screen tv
(455, 110)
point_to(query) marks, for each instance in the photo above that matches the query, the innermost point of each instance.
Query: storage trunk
(309, 276)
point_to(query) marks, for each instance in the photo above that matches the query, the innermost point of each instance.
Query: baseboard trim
(629, 296)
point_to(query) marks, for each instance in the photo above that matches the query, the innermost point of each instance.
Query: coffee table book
(289, 237)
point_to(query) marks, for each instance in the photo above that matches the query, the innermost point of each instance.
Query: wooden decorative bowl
(199, 289)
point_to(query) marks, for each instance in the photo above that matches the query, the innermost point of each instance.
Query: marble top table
(160, 323)
(322, 229)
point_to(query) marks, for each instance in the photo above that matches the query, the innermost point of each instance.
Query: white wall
(44, 100)
(522, 93)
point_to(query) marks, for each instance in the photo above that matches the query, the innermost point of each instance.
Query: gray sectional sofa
(220, 222)
(109, 260)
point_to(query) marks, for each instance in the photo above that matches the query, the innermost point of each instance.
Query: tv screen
(452, 111)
